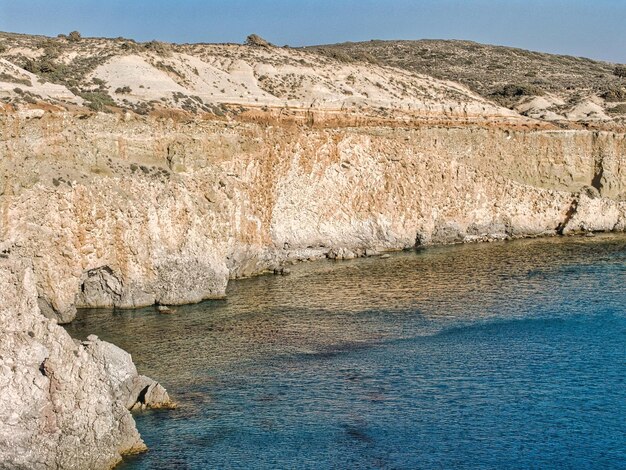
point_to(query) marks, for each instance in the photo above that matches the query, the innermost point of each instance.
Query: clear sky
(590, 28)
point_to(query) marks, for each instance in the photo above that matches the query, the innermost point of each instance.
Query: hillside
(457, 81)
(544, 86)
(221, 80)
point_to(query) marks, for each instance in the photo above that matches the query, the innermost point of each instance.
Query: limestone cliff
(132, 211)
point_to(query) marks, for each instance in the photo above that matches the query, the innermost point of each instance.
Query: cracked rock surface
(105, 219)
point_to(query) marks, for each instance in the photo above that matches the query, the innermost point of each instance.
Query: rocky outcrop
(134, 391)
(64, 404)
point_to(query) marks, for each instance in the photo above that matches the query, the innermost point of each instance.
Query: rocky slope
(140, 174)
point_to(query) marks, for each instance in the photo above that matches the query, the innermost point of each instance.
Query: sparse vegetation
(46, 67)
(160, 48)
(50, 67)
(257, 41)
(97, 100)
(620, 71)
(515, 91)
(26, 96)
(484, 69)
(129, 46)
(5, 77)
(619, 109)
(500, 74)
(345, 57)
(167, 68)
(614, 93)
(74, 36)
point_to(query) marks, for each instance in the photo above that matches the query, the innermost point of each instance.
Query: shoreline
(322, 256)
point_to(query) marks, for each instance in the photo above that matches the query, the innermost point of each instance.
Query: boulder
(64, 403)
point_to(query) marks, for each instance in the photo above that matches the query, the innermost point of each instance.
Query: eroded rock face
(63, 404)
(107, 222)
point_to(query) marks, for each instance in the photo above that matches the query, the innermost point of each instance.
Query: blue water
(494, 356)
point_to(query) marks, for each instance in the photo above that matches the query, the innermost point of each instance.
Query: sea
(506, 355)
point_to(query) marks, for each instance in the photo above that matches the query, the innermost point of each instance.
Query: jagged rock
(58, 407)
(134, 390)
(146, 393)
(590, 192)
(594, 214)
(447, 233)
(341, 254)
(100, 288)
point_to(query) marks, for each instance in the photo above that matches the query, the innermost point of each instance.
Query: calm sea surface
(491, 356)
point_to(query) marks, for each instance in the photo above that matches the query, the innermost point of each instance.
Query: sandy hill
(104, 74)
(544, 86)
(433, 81)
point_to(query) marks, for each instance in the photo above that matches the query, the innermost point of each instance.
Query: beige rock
(134, 233)
(291, 157)
(58, 406)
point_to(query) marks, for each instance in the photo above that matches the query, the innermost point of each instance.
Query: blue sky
(592, 28)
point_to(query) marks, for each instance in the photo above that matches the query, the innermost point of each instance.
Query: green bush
(42, 65)
(511, 90)
(97, 100)
(3, 48)
(123, 90)
(48, 69)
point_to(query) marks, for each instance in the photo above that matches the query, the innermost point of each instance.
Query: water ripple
(505, 355)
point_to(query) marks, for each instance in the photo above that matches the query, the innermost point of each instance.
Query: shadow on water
(505, 355)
